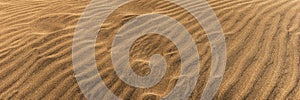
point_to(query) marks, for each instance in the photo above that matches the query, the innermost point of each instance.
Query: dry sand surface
(262, 37)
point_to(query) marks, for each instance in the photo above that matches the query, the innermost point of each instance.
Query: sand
(262, 38)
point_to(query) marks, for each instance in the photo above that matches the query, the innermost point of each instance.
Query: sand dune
(262, 38)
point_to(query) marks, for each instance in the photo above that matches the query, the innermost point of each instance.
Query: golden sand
(262, 38)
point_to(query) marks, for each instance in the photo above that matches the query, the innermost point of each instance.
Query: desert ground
(262, 39)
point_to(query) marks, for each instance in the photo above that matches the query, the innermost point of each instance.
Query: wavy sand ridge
(147, 46)
(262, 37)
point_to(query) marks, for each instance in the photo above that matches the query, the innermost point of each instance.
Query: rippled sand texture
(262, 37)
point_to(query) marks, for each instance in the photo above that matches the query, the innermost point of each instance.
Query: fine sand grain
(262, 38)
